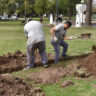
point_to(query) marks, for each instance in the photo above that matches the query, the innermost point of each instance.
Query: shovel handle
(79, 37)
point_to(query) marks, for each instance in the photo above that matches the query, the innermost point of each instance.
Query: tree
(21, 8)
(67, 7)
(11, 6)
(52, 9)
(7, 6)
(3, 6)
(62, 7)
(41, 6)
(88, 12)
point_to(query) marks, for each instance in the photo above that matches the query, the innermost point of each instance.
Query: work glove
(55, 39)
(75, 37)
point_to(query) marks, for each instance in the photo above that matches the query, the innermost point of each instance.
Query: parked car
(4, 18)
(14, 18)
(94, 15)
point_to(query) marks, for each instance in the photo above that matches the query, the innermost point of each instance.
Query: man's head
(67, 24)
(29, 20)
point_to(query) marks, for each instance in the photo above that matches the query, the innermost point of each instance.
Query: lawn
(12, 38)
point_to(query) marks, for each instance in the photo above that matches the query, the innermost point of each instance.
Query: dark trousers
(31, 53)
(56, 46)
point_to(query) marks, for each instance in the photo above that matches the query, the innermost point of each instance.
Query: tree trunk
(69, 13)
(88, 12)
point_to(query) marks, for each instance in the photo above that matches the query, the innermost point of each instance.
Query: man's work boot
(26, 68)
(64, 55)
(46, 66)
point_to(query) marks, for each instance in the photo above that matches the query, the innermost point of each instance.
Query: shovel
(84, 36)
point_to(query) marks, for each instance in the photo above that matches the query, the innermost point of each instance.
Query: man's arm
(55, 38)
(53, 30)
(53, 34)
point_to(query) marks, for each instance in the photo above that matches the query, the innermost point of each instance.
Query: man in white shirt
(36, 40)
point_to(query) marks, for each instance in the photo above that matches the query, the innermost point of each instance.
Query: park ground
(12, 38)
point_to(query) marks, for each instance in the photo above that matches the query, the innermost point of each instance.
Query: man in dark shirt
(58, 34)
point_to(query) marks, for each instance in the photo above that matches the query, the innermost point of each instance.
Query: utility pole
(82, 2)
(25, 11)
(56, 8)
(4, 5)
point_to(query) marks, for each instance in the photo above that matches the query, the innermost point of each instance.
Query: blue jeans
(56, 46)
(31, 53)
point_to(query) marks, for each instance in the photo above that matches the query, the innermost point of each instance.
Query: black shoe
(64, 55)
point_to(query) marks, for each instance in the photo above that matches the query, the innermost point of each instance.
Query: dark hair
(69, 23)
(29, 20)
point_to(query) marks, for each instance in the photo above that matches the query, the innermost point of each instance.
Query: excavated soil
(14, 86)
(89, 63)
(52, 75)
(12, 62)
(94, 48)
(17, 61)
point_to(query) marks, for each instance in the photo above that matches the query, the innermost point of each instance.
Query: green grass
(12, 38)
(81, 87)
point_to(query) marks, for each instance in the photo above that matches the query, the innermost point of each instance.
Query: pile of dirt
(52, 75)
(67, 83)
(89, 63)
(38, 58)
(17, 61)
(14, 86)
(12, 62)
(94, 48)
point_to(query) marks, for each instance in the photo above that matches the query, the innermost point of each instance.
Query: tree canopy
(38, 7)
